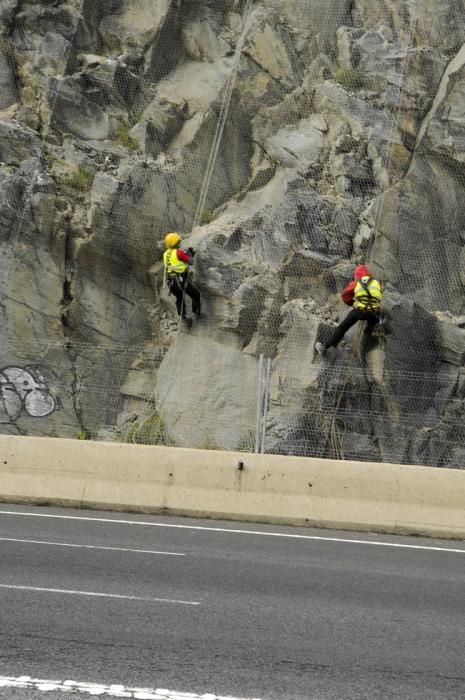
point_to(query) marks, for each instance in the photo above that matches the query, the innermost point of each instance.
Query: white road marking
(67, 591)
(261, 533)
(113, 691)
(91, 546)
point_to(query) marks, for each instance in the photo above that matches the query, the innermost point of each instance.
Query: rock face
(303, 137)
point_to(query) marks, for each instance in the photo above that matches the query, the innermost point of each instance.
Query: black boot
(181, 309)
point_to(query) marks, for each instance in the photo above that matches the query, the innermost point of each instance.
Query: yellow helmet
(172, 240)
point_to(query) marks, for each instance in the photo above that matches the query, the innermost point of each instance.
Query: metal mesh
(284, 167)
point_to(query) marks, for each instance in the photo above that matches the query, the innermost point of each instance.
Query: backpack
(347, 294)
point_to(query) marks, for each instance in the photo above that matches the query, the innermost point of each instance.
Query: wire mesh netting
(286, 142)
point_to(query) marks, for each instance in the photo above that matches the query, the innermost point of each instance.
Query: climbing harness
(367, 294)
(173, 265)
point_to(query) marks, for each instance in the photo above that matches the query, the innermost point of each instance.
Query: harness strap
(377, 303)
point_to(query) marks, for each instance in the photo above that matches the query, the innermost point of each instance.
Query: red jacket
(183, 256)
(347, 294)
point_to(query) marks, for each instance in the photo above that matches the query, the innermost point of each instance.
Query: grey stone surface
(345, 141)
(8, 85)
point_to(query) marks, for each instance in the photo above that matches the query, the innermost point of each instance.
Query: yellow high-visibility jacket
(367, 294)
(173, 266)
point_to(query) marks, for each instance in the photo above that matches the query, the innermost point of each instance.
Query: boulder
(203, 42)
(132, 25)
(75, 114)
(298, 147)
(272, 49)
(50, 58)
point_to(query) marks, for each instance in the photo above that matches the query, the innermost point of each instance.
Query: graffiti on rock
(24, 389)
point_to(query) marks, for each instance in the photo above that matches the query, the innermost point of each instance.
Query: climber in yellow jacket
(364, 294)
(177, 263)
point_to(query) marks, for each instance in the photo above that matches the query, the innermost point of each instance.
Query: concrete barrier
(270, 488)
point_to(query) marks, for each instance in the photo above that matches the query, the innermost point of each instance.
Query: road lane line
(261, 533)
(67, 591)
(114, 690)
(91, 546)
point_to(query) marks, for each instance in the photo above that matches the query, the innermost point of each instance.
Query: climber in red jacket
(364, 294)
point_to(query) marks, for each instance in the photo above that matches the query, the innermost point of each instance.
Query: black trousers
(372, 318)
(179, 286)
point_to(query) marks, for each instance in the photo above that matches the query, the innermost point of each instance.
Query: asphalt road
(240, 610)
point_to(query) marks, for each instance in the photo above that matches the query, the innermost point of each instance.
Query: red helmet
(361, 271)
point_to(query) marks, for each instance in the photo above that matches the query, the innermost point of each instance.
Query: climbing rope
(335, 436)
(395, 125)
(224, 111)
(337, 451)
(223, 114)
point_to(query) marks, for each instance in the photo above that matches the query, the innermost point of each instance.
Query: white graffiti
(24, 389)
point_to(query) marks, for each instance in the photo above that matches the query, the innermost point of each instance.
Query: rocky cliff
(333, 132)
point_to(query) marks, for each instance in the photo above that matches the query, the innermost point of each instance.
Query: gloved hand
(191, 252)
